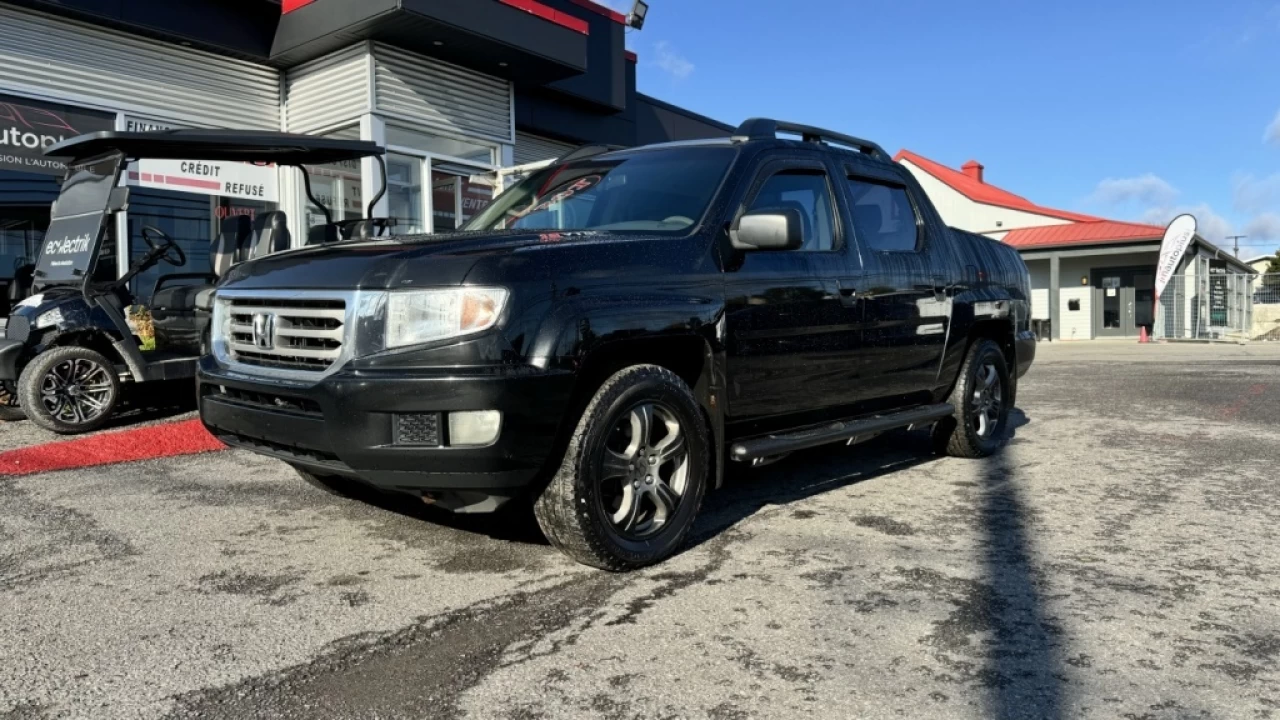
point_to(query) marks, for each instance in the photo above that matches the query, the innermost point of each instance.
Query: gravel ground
(1117, 561)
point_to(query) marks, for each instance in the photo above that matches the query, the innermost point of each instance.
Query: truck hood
(397, 262)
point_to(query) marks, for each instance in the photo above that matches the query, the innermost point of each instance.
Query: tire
(330, 484)
(982, 397)
(69, 390)
(10, 409)
(606, 512)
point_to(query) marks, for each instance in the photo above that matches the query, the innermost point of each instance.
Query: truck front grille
(290, 334)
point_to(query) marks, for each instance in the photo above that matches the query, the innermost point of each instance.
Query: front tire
(69, 390)
(634, 475)
(10, 409)
(982, 397)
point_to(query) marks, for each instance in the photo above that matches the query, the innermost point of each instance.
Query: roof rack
(767, 129)
(583, 152)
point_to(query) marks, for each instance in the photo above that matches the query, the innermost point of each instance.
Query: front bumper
(346, 424)
(1024, 345)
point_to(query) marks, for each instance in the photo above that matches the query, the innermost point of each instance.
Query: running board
(853, 429)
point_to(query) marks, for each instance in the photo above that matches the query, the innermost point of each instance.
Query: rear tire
(69, 390)
(634, 474)
(10, 409)
(982, 397)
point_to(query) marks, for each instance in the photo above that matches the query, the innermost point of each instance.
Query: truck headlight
(421, 316)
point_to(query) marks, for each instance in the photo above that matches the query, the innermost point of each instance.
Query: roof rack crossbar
(768, 129)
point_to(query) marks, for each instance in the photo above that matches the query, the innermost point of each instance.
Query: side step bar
(769, 445)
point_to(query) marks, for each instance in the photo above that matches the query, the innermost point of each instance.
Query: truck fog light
(474, 428)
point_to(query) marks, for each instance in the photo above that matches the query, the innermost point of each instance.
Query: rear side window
(808, 192)
(883, 217)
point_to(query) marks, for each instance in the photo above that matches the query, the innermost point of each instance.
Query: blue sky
(1133, 110)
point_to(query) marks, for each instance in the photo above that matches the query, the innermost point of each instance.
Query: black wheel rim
(988, 401)
(8, 394)
(643, 470)
(76, 391)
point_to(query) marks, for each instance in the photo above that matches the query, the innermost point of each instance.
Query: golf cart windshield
(75, 228)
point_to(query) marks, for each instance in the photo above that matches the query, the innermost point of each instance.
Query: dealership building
(455, 89)
(1092, 277)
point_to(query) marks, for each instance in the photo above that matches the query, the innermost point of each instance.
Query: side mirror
(769, 229)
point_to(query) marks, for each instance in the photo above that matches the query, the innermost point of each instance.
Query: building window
(404, 193)
(441, 146)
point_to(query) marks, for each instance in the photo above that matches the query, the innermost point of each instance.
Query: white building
(1092, 277)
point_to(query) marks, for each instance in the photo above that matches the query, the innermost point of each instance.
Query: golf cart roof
(230, 145)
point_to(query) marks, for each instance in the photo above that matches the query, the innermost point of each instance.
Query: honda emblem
(264, 330)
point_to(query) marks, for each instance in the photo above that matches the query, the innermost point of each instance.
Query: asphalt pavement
(1116, 561)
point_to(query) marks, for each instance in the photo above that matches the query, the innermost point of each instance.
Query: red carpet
(180, 438)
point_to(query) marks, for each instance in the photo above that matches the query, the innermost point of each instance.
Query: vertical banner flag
(1177, 237)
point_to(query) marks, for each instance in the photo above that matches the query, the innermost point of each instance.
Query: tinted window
(808, 192)
(883, 218)
(651, 191)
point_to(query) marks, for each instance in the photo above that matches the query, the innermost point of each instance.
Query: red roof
(979, 191)
(1082, 233)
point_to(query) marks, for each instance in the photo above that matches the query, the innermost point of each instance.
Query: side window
(808, 192)
(883, 217)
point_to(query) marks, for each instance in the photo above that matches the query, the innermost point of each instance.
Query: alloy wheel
(644, 470)
(76, 391)
(988, 400)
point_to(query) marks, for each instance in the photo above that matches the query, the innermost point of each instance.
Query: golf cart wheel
(10, 409)
(69, 390)
(982, 398)
(633, 476)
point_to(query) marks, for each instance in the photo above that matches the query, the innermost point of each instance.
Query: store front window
(450, 164)
(404, 193)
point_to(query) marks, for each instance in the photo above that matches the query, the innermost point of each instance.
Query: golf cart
(67, 347)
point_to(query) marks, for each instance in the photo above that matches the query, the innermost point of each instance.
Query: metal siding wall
(329, 91)
(432, 95)
(531, 148)
(49, 56)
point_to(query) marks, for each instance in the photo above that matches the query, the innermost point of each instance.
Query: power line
(1237, 239)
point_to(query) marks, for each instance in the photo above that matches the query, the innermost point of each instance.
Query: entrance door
(1124, 301)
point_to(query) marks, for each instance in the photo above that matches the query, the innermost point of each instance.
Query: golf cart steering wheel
(163, 246)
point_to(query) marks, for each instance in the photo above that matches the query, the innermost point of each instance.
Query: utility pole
(1237, 239)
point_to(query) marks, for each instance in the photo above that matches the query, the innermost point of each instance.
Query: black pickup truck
(614, 330)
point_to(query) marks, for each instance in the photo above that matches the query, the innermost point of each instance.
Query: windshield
(71, 242)
(662, 191)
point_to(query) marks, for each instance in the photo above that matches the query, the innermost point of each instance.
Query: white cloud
(666, 57)
(1256, 195)
(1263, 227)
(1146, 190)
(1272, 133)
(1211, 226)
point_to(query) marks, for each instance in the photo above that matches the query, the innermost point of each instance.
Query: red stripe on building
(159, 441)
(288, 6)
(601, 10)
(632, 56)
(549, 14)
(189, 182)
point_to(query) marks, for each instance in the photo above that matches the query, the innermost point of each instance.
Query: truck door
(907, 284)
(788, 335)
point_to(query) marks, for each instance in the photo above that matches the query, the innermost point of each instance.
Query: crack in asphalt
(424, 669)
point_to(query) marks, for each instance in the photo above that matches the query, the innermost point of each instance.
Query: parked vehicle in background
(619, 326)
(68, 347)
